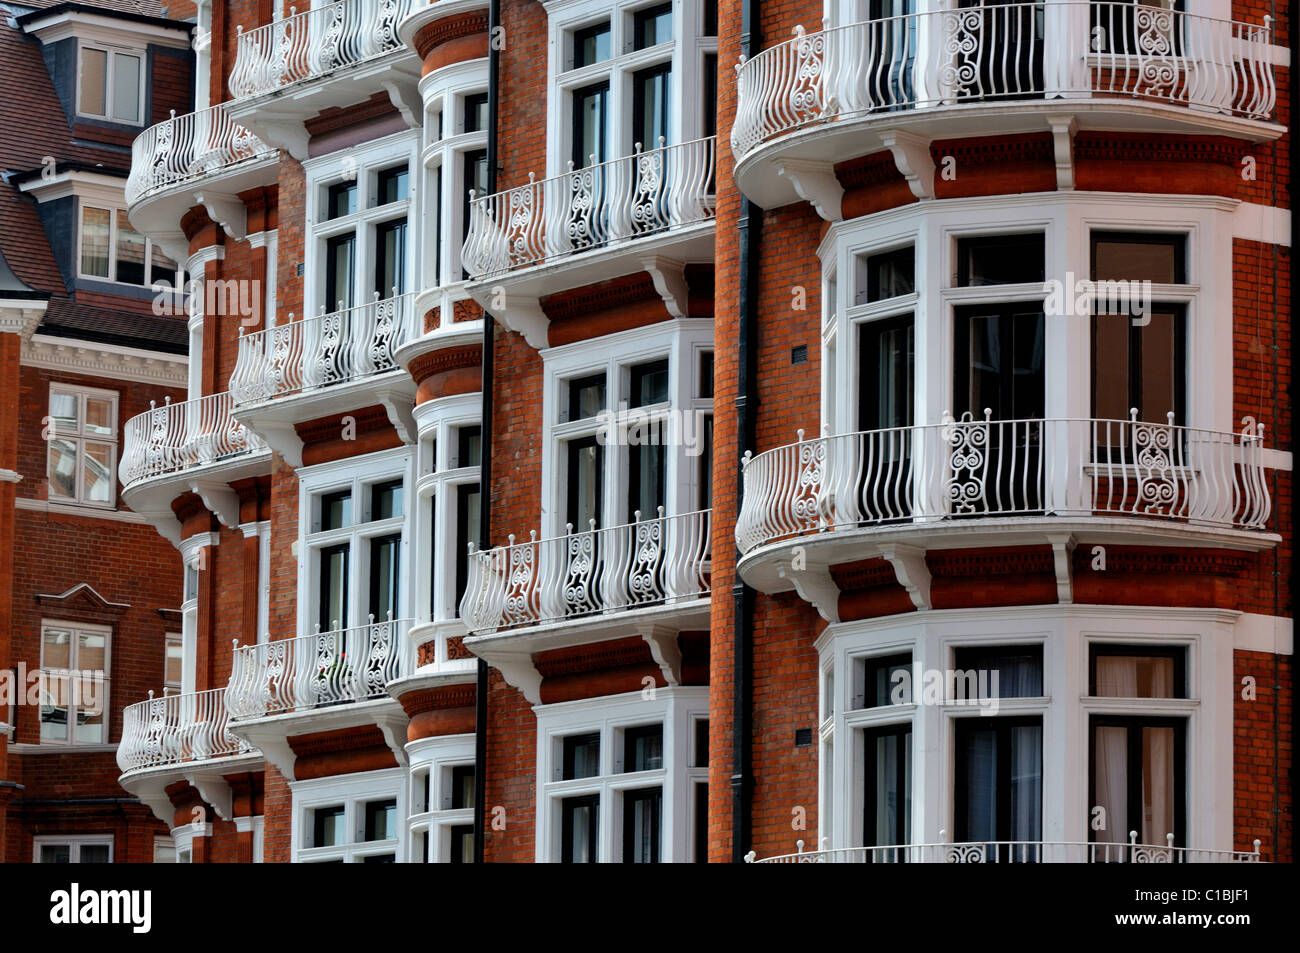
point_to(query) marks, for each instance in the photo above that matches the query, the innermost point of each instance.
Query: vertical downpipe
(749, 228)
(485, 454)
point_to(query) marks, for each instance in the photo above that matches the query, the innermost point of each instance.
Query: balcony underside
(275, 420)
(511, 651)
(208, 777)
(800, 164)
(663, 255)
(802, 563)
(152, 497)
(158, 213)
(271, 734)
(279, 117)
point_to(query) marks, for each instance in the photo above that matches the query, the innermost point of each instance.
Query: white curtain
(1111, 767)
(1157, 784)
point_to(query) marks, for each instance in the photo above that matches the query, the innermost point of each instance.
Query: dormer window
(110, 85)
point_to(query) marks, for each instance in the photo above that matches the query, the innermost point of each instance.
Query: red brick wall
(1262, 756)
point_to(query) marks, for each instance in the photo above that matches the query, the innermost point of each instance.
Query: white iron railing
(176, 437)
(1016, 852)
(325, 668)
(998, 468)
(656, 561)
(184, 149)
(175, 729)
(998, 52)
(321, 351)
(637, 195)
(315, 42)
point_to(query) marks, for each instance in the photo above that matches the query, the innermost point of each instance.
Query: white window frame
(80, 437)
(677, 709)
(353, 792)
(74, 842)
(105, 678)
(328, 170)
(166, 845)
(1067, 220)
(1065, 633)
(357, 475)
(113, 209)
(682, 342)
(110, 51)
(444, 92)
(435, 758)
(177, 639)
(685, 52)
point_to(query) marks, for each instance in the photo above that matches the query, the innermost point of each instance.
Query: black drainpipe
(485, 455)
(749, 228)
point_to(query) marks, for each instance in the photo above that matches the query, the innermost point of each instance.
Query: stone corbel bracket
(815, 183)
(226, 210)
(815, 587)
(911, 571)
(665, 651)
(1063, 560)
(912, 157)
(669, 278)
(1063, 130)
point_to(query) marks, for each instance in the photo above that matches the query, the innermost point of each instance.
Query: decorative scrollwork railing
(176, 437)
(185, 149)
(970, 468)
(657, 561)
(999, 52)
(322, 351)
(1017, 852)
(314, 42)
(638, 195)
(325, 668)
(174, 729)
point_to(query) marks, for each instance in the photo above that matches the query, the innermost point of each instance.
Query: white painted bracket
(1062, 557)
(174, 244)
(393, 727)
(523, 315)
(912, 156)
(398, 407)
(669, 277)
(220, 499)
(275, 749)
(227, 211)
(283, 439)
(518, 670)
(215, 791)
(665, 651)
(815, 587)
(1063, 130)
(911, 571)
(284, 132)
(408, 102)
(815, 183)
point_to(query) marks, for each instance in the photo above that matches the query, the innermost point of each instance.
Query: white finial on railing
(236, 641)
(751, 857)
(749, 455)
(636, 147)
(375, 299)
(799, 434)
(1133, 414)
(636, 516)
(943, 836)
(318, 628)
(1256, 845)
(568, 528)
(511, 539)
(173, 112)
(151, 694)
(988, 414)
(661, 511)
(798, 30)
(1169, 839)
(336, 626)
(472, 548)
(799, 844)
(1132, 838)
(740, 62)
(532, 535)
(167, 399)
(591, 525)
(151, 405)
(530, 175)
(1169, 416)
(662, 142)
(372, 618)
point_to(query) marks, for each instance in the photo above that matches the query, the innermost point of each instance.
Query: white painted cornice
(95, 359)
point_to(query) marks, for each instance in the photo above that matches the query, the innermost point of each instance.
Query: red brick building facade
(688, 431)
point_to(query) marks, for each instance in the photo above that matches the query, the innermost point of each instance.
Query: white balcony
(302, 370)
(175, 729)
(983, 482)
(334, 54)
(1016, 852)
(840, 93)
(185, 159)
(320, 682)
(649, 578)
(194, 445)
(181, 737)
(604, 221)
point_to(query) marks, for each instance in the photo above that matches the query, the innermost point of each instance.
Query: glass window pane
(1119, 256)
(589, 110)
(63, 469)
(173, 664)
(462, 787)
(64, 410)
(650, 383)
(340, 265)
(94, 242)
(590, 45)
(99, 417)
(1136, 676)
(56, 854)
(334, 587)
(91, 651)
(94, 854)
(54, 706)
(162, 268)
(642, 812)
(93, 85)
(650, 107)
(126, 87)
(999, 260)
(386, 500)
(88, 701)
(643, 748)
(1110, 366)
(390, 258)
(381, 820)
(476, 112)
(335, 510)
(888, 275)
(1110, 782)
(327, 827)
(97, 481)
(393, 184)
(653, 26)
(56, 649)
(586, 463)
(1158, 383)
(581, 756)
(1010, 672)
(586, 397)
(129, 266)
(341, 199)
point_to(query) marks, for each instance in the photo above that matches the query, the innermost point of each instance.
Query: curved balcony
(588, 225)
(181, 737)
(320, 682)
(1017, 852)
(315, 43)
(176, 729)
(650, 577)
(192, 445)
(968, 482)
(840, 93)
(345, 360)
(185, 151)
